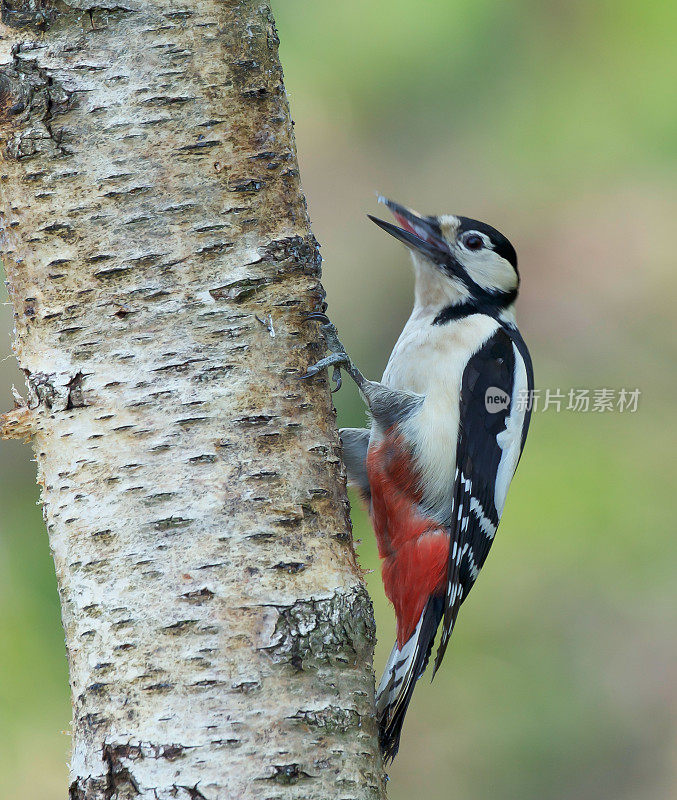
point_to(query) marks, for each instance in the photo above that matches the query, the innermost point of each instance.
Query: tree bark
(159, 261)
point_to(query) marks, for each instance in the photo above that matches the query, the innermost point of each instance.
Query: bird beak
(418, 233)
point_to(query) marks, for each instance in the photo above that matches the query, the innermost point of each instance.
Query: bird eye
(473, 241)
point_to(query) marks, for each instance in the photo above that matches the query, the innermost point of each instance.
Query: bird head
(476, 261)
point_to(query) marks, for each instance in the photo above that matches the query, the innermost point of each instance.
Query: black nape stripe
(490, 304)
(458, 311)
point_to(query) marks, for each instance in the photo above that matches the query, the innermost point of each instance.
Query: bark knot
(35, 14)
(288, 774)
(329, 719)
(30, 100)
(56, 392)
(302, 251)
(338, 630)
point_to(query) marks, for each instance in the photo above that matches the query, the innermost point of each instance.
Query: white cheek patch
(488, 269)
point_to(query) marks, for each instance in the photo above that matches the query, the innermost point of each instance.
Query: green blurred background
(557, 122)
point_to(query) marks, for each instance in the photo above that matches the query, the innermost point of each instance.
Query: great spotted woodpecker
(446, 435)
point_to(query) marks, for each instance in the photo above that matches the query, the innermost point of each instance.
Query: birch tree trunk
(159, 261)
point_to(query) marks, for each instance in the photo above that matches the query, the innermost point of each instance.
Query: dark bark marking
(288, 774)
(119, 780)
(193, 792)
(75, 397)
(199, 596)
(338, 630)
(290, 567)
(329, 719)
(35, 14)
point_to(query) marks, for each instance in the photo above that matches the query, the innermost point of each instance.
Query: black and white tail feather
(405, 666)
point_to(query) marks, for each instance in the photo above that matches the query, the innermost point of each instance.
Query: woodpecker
(448, 426)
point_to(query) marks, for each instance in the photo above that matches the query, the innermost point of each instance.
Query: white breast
(430, 360)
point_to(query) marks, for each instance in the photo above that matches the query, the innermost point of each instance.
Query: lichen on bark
(160, 263)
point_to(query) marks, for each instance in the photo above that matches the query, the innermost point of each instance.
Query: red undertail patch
(414, 548)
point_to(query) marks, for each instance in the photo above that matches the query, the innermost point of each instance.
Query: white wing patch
(510, 440)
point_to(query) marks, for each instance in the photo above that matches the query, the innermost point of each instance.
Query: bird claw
(318, 316)
(338, 354)
(334, 360)
(338, 358)
(309, 373)
(314, 369)
(329, 332)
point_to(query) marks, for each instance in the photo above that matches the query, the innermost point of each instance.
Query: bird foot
(338, 356)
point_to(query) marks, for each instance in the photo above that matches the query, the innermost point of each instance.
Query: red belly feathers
(414, 548)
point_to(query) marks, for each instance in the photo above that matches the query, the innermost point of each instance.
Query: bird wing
(491, 437)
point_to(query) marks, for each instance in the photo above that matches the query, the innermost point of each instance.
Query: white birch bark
(218, 631)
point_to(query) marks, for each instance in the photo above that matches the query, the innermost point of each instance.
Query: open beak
(417, 232)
